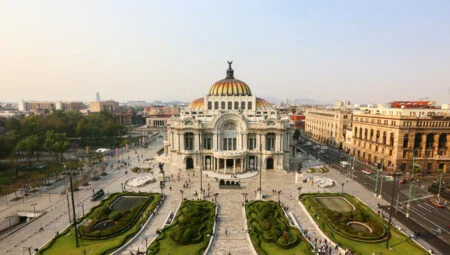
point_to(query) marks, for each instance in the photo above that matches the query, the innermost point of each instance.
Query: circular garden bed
(271, 232)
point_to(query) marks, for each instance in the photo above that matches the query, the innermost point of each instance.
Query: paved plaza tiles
(229, 201)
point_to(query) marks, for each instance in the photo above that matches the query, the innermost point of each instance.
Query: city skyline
(364, 52)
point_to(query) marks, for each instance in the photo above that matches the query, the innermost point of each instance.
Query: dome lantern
(230, 86)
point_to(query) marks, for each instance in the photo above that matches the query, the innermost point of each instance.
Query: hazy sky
(364, 51)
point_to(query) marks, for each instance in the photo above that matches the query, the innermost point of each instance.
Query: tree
(296, 134)
(56, 143)
(29, 145)
(6, 147)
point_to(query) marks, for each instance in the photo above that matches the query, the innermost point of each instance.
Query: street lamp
(34, 209)
(215, 197)
(342, 190)
(181, 192)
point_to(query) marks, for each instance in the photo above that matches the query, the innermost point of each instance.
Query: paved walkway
(229, 200)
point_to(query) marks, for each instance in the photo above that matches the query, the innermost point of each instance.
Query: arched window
(371, 134)
(229, 137)
(230, 105)
(242, 105)
(236, 105)
(384, 137)
(365, 133)
(223, 106)
(209, 105)
(391, 139)
(249, 105)
(216, 105)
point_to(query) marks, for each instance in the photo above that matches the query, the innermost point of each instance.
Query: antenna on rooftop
(97, 98)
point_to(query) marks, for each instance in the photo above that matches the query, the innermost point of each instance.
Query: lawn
(399, 243)
(271, 232)
(338, 204)
(190, 231)
(65, 242)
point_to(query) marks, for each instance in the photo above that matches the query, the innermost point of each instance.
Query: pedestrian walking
(226, 232)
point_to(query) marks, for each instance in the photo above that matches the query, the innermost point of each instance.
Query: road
(423, 215)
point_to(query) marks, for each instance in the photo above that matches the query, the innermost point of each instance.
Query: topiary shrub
(114, 216)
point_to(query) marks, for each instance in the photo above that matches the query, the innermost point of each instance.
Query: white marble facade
(229, 131)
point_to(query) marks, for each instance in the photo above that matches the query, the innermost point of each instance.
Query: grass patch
(338, 204)
(400, 243)
(64, 243)
(190, 231)
(271, 232)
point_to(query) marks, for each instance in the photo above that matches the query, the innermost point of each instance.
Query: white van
(344, 163)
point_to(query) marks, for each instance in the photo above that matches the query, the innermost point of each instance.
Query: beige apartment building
(393, 136)
(107, 106)
(328, 126)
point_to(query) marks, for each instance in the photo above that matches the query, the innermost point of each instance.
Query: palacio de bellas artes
(229, 130)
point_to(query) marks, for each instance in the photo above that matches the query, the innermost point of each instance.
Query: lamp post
(215, 197)
(390, 213)
(34, 209)
(181, 192)
(342, 189)
(440, 184)
(410, 188)
(73, 208)
(260, 170)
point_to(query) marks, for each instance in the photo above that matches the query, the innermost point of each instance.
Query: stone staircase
(231, 219)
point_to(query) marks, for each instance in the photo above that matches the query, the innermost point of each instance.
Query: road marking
(424, 207)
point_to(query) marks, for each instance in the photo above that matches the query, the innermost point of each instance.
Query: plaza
(276, 185)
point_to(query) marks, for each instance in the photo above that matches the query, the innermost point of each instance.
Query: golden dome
(263, 105)
(230, 86)
(196, 105)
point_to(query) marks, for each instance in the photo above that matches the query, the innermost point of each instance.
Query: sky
(362, 51)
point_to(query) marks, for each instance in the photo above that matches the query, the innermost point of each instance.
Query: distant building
(49, 106)
(157, 120)
(165, 110)
(110, 106)
(298, 121)
(130, 117)
(392, 136)
(327, 126)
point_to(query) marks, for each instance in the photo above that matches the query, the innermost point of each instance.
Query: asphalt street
(433, 223)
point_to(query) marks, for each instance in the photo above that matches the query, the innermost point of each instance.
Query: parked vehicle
(344, 164)
(366, 171)
(98, 194)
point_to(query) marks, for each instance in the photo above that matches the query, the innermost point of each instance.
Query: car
(366, 171)
(402, 181)
(436, 203)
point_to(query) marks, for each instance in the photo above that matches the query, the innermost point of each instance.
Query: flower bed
(190, 231)
(335, 224)
(64, 243)
(271, 232)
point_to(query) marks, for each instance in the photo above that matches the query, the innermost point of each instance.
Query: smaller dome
(263, 105)
(196, 105)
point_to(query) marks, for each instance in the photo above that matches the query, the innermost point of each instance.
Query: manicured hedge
(124, 220)
(337, 221)
(192, 225)
(267, 223)
(54, 246)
